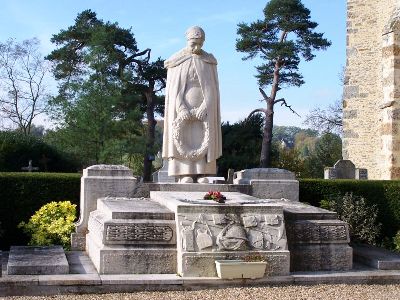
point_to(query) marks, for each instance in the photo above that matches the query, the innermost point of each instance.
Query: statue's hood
(185, 54)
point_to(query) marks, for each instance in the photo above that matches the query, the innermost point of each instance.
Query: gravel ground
(341, 291)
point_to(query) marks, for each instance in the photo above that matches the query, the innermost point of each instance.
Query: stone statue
(192, 121)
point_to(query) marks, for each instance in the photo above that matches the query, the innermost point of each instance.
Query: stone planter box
(231, 269)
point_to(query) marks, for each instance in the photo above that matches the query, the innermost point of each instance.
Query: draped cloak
(177, 75)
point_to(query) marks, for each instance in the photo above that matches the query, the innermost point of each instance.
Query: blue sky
(160, 25)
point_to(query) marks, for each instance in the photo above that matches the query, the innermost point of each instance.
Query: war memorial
(186, 230)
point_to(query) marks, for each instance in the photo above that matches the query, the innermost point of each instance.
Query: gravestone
(30, 168)
(100, 181)
(162, 174)
(345, 169)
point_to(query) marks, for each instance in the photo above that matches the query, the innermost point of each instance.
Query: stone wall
(370, 94)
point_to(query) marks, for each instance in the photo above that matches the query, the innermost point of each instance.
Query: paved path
(363, 292)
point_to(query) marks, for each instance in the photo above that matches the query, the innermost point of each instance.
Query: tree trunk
(266, 147)
(150, 135)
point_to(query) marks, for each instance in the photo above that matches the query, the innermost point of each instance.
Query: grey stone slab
(245, 176)
(142, 279)
(345, 169)
(275, 189)
(70, 279)
(375, 257)
(191, 282)
(80, 263)
(19, 280)
(31, 260)
(133, 208)
(302, 211)
(194, 202)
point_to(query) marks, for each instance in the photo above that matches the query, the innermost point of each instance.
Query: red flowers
(215, 196)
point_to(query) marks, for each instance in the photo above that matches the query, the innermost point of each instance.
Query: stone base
(324, 257)
(32, 260)
(203, 264)
(120, 259)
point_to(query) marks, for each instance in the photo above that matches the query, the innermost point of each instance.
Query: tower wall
(370, 97)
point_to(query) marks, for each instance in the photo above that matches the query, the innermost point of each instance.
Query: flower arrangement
(215, 196)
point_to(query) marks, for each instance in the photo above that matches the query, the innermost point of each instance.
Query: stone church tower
(371, 97)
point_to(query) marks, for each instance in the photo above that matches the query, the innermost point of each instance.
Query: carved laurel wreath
(177, 135)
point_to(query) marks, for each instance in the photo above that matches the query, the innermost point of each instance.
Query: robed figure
(192, 121)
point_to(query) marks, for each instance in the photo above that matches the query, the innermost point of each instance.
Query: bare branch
(283, 102)
(258, 110)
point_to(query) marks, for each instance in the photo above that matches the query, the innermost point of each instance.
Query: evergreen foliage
(360, 217)
(284, 36)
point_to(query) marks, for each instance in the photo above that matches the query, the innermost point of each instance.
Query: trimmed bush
(396, 241)
(21, 194)
(385, 194)
(360, 217)
(52, 224)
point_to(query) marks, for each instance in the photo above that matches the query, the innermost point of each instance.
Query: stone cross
(30, 168)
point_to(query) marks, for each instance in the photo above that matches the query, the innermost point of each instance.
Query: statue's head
(195, 37)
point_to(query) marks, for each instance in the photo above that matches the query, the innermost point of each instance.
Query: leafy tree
(328, 150)
(16, 149)
(288, 134)
(23, 73)
(284, 36)
(241, 142)
(103, 55)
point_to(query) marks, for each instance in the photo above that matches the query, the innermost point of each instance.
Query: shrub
(396, 241)
(24, 193)
(52, 224)
(382, 193)
(361, 218)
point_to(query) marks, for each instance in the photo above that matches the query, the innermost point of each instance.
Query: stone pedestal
(100, 181)
(242, 228)
(269, 183)
(131, 236)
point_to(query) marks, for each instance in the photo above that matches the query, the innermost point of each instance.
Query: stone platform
(83, 278)
(31, 260)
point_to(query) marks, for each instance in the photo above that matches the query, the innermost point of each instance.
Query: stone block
(321, 257)
(245, 176)
(269, 183)
(100, 181)
(317, 232)
(120, 259)
(330, 173)
(133, 209)
(275, 189)
(377, 258)
(162, 174)
(33, 260)
(241, 227)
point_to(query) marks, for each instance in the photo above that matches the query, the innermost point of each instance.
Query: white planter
(231, 269)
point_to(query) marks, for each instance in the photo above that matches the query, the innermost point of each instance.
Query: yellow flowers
(52, 224)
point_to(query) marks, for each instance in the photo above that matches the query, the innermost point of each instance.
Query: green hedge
(21, 194)
(384, 193)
